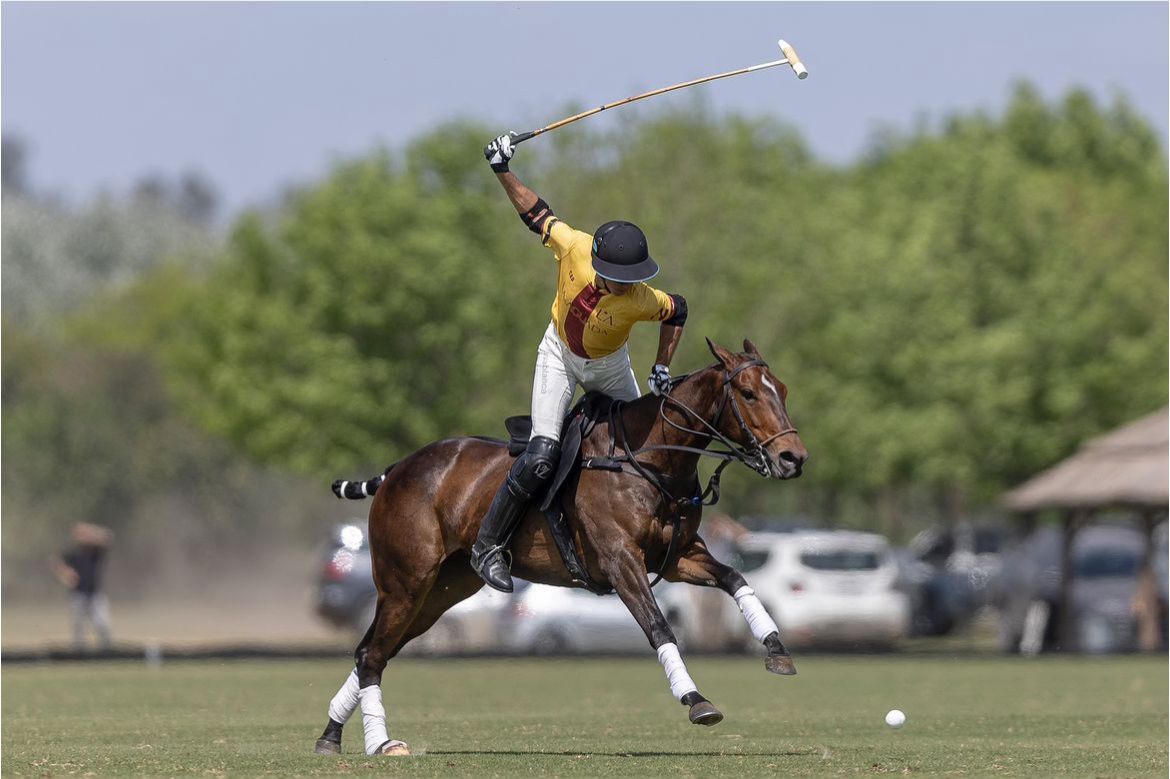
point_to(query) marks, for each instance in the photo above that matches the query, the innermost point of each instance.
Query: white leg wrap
(373, 718)
(676, 672)
(757, 617)
(345, 702)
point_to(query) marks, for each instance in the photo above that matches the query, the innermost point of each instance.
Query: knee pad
(533, 469)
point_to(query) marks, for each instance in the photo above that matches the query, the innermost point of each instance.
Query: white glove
(499, 151)
(659, 379)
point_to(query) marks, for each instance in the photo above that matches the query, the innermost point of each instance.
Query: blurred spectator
(1149, 610)
(80, 569)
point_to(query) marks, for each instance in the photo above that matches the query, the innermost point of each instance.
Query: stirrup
(478, 561)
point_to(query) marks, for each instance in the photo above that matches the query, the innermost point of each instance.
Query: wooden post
(1073, 520)
(1027, 523)
(1145, 607)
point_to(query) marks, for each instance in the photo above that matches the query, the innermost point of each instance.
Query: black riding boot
(487, 555)
(528, 474)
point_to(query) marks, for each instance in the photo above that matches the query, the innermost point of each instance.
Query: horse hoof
(327, 747)
(394, 748)
(780, 664)
(703, 713)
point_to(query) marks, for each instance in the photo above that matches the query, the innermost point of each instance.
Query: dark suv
(345, 587)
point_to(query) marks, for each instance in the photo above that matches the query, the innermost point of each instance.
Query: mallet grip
(793, 59)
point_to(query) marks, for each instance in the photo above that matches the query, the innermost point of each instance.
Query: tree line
(953, 312)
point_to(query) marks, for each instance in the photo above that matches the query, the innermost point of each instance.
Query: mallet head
(793, 59)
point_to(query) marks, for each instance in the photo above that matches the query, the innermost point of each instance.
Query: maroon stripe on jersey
(579, 311)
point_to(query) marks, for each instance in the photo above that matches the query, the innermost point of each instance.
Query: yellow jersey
(591, 322)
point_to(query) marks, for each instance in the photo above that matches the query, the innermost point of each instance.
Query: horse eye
(748, 395)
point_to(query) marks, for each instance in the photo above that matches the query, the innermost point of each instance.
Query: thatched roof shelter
(1128, 467)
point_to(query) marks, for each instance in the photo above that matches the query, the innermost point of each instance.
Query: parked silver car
(545, 620)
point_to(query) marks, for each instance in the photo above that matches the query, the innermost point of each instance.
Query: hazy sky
(259, 95)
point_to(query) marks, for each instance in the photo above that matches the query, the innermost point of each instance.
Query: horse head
(758, 420)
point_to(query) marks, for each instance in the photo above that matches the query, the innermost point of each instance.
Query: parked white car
(827, 587)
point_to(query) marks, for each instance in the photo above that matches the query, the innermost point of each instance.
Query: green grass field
(967, 717)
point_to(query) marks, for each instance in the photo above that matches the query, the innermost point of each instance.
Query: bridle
(753, 455)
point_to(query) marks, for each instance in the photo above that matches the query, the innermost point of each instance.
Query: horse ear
(722, 355)
(751, 349)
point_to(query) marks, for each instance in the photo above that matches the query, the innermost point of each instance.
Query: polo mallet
(790, 58)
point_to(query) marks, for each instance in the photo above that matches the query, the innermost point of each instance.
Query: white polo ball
(895, 718)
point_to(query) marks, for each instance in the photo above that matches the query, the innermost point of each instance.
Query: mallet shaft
(788, 52)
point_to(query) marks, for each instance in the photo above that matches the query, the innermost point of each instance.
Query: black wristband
(499, 167)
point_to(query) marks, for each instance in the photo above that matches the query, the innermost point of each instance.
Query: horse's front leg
(626, 570)
(696, 565)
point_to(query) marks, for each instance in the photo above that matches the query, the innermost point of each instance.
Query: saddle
(579, 422)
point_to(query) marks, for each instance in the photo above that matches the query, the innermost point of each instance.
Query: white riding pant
(90, 609)
(559, 371)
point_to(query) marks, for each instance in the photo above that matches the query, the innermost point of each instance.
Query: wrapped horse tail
(359, 490)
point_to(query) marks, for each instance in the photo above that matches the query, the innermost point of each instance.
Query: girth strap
(563, 536)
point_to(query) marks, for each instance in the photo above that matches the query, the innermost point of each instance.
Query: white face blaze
(768, 383)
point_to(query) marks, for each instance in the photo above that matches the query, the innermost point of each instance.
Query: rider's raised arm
(534, 212)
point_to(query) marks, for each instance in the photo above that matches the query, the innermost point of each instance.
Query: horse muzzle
(788, 463)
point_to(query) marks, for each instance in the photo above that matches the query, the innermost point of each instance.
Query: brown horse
(426, 514)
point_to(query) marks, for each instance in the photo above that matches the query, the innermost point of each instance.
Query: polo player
(601, 293)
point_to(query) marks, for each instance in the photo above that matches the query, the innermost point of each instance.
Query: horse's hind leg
(399, 600)
(456, 582)
(396, 609)
(344, 703)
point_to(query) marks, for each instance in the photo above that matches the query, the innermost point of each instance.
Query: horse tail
(359, 490)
